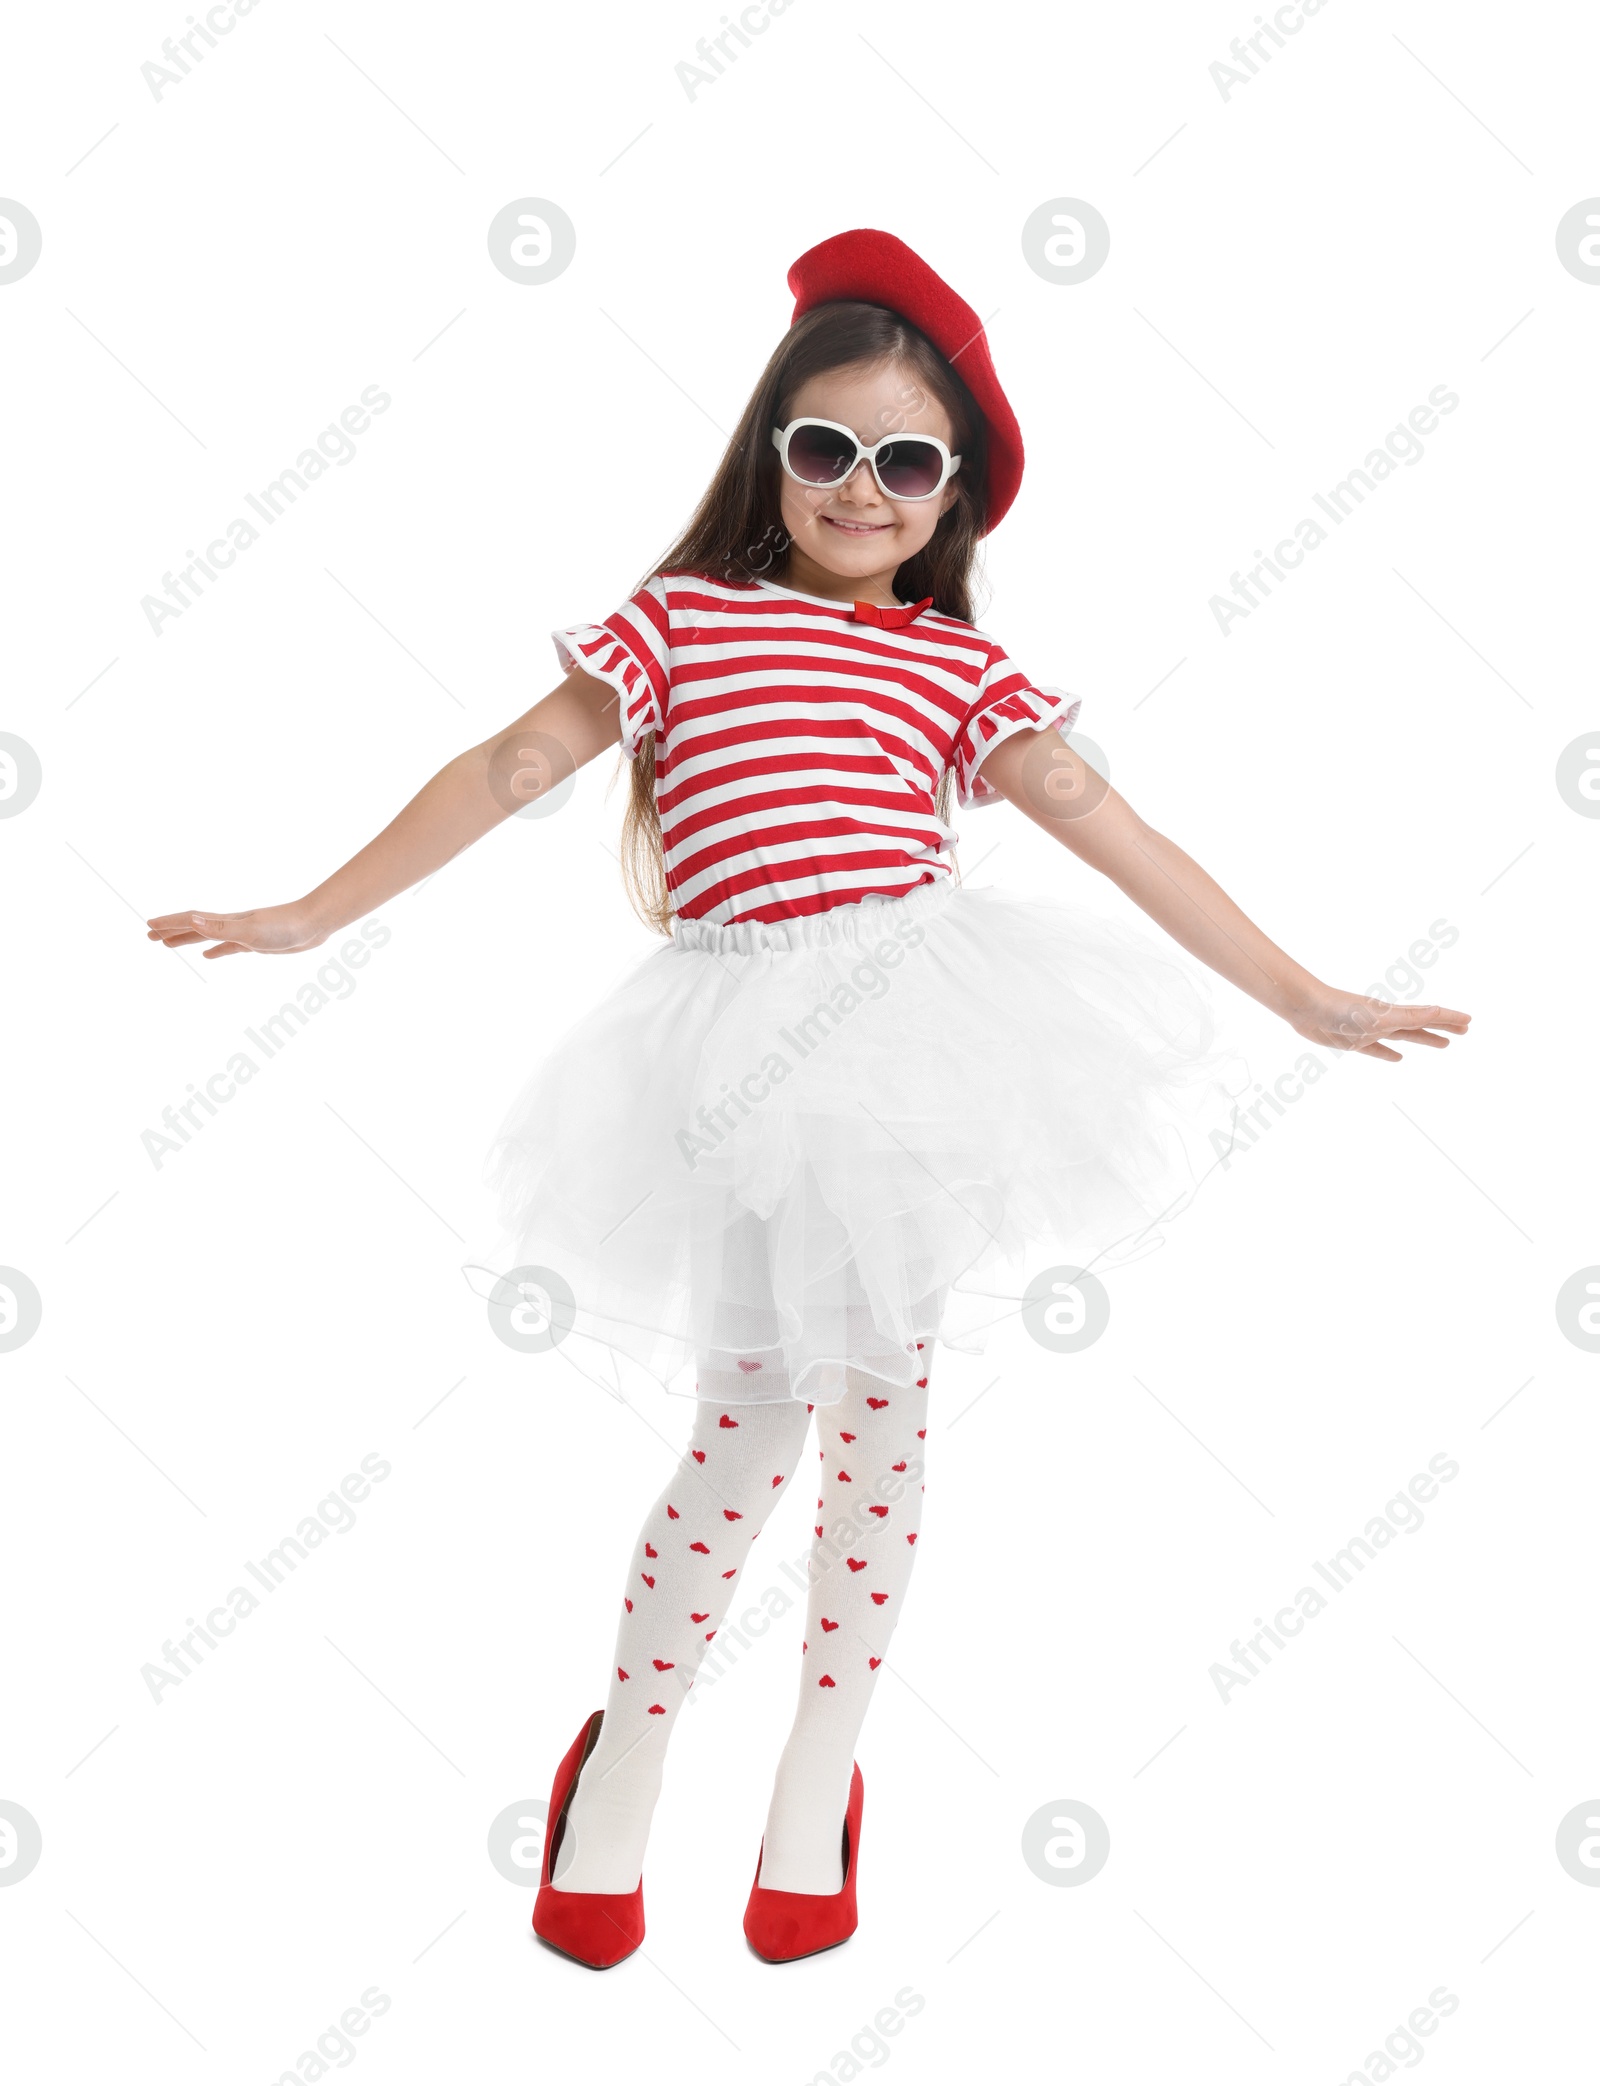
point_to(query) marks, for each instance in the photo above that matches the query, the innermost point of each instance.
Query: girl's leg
(867, 1524)
(689, 1554)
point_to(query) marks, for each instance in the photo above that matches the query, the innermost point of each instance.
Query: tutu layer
(781, 1151)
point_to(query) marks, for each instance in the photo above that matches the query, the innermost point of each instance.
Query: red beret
(877, 268)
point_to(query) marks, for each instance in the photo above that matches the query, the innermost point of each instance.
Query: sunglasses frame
(865, 453)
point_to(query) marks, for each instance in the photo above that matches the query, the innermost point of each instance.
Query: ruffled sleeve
(632, 651)
(1007, 702)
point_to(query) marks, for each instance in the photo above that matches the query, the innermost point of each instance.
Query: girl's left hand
(1351, 1021)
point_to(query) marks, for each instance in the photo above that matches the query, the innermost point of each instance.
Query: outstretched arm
(466, 799)
(1055, 787)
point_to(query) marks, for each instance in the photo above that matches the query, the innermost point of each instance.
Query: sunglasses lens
(910, 468)
(820, 455)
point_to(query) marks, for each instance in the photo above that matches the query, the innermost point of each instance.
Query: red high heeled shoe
(783, 1925)
(594, 1927)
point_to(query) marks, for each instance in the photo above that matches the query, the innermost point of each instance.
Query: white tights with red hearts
(691, 1549)
(869, 1513)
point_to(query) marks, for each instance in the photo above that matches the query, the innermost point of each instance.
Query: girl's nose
(860, 488)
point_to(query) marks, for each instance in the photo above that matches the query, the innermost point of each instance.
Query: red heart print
(804, 1646)
(827, 1681)
(704, 1552)
(845, 1478)
(897, 1466)
(912, 1537)
(731, 1514)
(730, 1575)
(919, 1347)
(846, 1437)
(874, 1662)
(922, 1383)
(709, 1635)
(880, 1598)
(673, 1514)
(856, 1564)
(819, 1528)
(922, 1434)
(778, 1480)
(649, 1550)
(627, 1604)
(620, 1674)
(879, 1511)
(877, 1404)
(749, 1368)
(699, 1455)
(645, 1576)
(829, 1625)
(726, 1422)
(811, 1408)
(658, 1709)
(699, 1618)
(663, 1665)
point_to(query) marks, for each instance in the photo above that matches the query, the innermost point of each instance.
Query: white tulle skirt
(779, 1152)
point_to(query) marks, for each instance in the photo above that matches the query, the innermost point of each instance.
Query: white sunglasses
(822, 454)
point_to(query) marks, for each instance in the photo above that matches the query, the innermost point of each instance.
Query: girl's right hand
(273, 930)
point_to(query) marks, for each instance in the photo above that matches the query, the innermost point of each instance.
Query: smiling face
(848, 541)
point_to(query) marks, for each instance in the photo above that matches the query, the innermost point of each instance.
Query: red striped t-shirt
(798, 741)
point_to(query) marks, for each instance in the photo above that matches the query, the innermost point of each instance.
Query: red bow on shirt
(890, 618)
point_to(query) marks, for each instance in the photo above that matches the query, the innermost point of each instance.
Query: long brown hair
(736, 533)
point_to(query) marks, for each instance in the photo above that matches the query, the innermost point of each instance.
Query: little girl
(779, 1161)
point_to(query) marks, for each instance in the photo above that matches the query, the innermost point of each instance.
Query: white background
(226, 1335)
